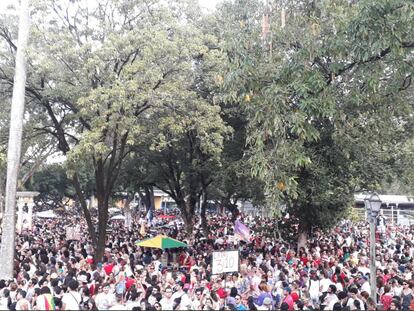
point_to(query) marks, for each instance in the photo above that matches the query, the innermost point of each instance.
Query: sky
(207, 4)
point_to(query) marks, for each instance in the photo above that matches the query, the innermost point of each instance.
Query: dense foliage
(298, 105)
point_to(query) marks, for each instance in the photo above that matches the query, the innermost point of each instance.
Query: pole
(373, 272)
(14, 146)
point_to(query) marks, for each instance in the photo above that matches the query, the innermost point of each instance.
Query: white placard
(73, 233)
(227, 261)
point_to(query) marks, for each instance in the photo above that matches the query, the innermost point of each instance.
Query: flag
(241, 230)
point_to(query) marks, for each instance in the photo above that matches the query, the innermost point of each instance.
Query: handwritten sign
(227, 261)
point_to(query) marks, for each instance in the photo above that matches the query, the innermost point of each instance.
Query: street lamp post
(373, 206)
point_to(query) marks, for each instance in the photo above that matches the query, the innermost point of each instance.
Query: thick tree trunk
(187, 214)
(103, 202)
(14, 146)
(189, 224)
(303, 234)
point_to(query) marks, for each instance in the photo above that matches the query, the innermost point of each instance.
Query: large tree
(324, 84)
(98, 72)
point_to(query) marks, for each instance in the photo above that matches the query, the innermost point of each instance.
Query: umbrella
(162, 242)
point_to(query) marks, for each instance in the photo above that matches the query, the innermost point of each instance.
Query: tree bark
(14, 146)
(128, 212)
(303, 234)
(103, 201)
(86, 212)
(204, 224)
(187, 214)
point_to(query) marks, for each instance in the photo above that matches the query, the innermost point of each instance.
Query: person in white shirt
(167, 302)
(105, 299)
(325, 282)
(353, 292)
(365, 287)
(72, 299)
(22, 303)
(196, 303)
(119, 305)
(330, 298)
(179, 292)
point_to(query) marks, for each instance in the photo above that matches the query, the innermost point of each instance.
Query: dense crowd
(331, 272)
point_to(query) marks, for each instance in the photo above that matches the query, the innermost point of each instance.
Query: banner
(73, 233)
(227, 261)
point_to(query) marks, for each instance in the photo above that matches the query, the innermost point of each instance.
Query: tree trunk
(232, 208)
(128, 213)
(204, 224)
(14, 146)
(103, 202)
(303, 234)
(187, 214)
(86, 212)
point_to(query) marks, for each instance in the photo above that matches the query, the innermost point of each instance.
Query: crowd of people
(330, 272)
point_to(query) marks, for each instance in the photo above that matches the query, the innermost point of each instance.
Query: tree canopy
(298, 103)
(325, 87)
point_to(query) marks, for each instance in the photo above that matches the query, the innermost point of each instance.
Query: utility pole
(14, 146)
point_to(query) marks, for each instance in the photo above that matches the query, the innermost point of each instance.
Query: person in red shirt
(386, 298)
(288, 298)
(220, 290)
(108, 268)
(295, 291)
(304, 259)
